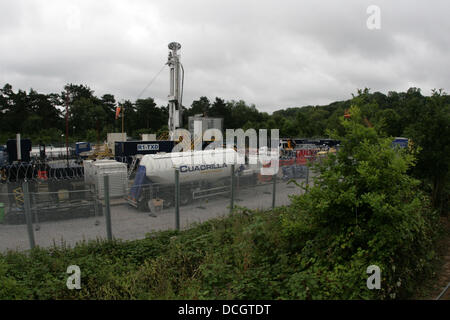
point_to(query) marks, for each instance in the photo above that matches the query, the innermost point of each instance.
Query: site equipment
(202, 174)
(176, 91)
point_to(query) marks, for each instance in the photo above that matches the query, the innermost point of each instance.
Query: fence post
(107, 207)
(274, 189)
(177, 199)
(232, 189)
(93, 193)
(28, 217)
(307, 174)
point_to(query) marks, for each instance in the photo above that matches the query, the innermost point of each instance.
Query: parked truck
(202, 174)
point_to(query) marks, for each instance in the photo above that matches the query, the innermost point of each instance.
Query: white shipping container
(113, 137)
(87, 167)
(89, 171)
(117, 172)
(148, 137)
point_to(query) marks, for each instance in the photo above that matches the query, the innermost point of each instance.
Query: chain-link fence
(123, 206)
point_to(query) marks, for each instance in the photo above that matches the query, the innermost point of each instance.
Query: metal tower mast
(175, 94)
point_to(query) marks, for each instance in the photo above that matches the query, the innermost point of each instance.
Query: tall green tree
(149, 116)
(200, 106)
(430, 134)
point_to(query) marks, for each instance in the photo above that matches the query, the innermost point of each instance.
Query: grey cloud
(270, 53)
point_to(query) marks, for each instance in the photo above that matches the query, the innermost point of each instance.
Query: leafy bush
(363, 210)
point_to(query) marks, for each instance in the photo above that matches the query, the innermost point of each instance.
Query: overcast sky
(275, 54)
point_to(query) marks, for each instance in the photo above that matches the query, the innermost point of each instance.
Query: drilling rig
(176, 89)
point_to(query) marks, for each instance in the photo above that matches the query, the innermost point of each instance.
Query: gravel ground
(128, 223)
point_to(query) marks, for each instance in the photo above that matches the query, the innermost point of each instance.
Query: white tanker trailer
(201, 174)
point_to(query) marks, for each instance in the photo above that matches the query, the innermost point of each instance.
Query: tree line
(423, 119)
(42, 116)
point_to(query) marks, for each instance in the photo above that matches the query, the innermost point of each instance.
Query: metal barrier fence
(37, 214)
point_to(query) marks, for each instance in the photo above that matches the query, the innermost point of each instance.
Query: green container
(2, 212)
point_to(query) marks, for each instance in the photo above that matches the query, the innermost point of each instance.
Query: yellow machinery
(18, 196)
(326, 152)
(163, 136)
(101, 152)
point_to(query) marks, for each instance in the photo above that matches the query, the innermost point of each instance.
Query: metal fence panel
(67, 211)
(13, 235)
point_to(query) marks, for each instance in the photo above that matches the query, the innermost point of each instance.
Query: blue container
(82, 147)
(132, 148)
(25, 149)
(400, 142)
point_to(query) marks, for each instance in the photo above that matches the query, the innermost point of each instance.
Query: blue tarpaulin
(139, 180)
